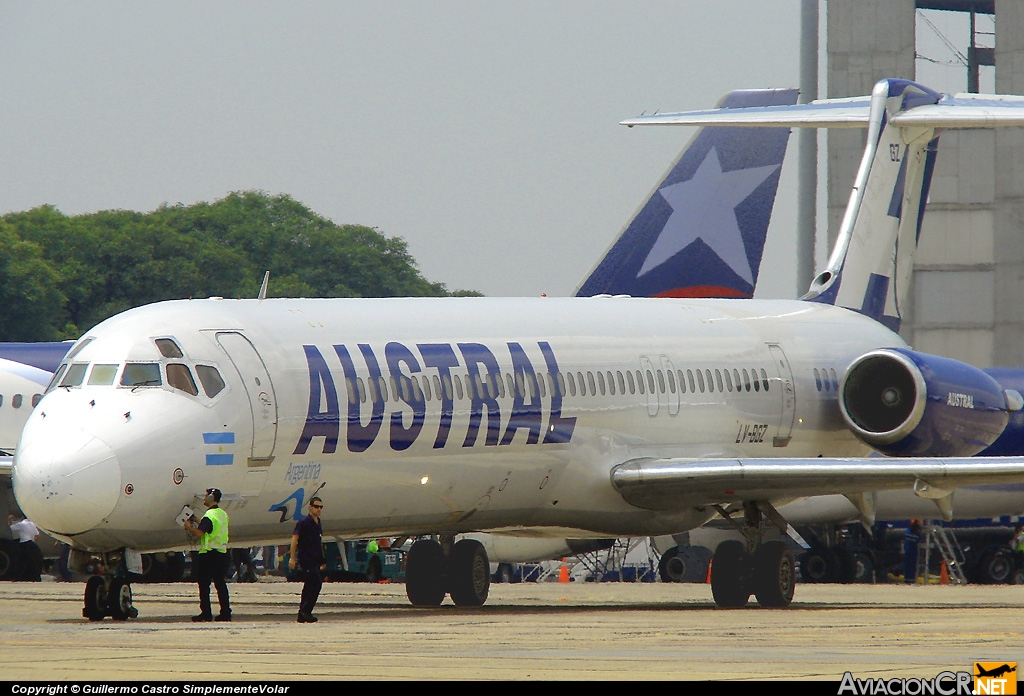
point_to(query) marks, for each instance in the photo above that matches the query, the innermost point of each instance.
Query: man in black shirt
(308, 553)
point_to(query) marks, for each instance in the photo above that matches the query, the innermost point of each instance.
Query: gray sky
(483, 133)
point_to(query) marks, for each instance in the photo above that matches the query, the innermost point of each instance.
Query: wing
(672, 484)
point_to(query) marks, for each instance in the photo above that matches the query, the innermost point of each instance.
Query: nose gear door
(260, 390)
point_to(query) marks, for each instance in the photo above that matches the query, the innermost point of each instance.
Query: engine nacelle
(908, 404)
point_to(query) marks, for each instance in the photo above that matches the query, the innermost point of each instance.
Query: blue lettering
(360, 436)
(480, 389)
(525, 414)
(442, 357)
(559, 429)
(325, 424)
(409, 392)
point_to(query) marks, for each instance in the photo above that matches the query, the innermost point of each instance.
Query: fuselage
(422, 415)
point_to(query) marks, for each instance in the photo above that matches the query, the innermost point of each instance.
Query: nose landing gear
(109, 594)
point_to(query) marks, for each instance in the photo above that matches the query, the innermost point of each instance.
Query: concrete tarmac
(529, 631)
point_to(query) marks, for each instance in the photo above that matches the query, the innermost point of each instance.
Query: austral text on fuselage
(443, 373)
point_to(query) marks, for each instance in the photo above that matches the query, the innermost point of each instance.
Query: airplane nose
(66, 485)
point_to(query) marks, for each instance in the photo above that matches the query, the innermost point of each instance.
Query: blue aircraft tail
(701, 233)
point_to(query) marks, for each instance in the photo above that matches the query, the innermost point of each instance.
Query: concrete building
(968, 296)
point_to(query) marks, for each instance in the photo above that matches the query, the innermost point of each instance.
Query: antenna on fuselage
(263, 288)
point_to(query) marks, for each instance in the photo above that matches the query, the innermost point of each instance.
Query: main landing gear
(436, 568)
(766, 569)
(109, 594)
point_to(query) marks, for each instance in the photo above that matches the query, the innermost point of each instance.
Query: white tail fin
(870, 267)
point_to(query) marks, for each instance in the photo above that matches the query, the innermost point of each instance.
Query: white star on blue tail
(704, 208)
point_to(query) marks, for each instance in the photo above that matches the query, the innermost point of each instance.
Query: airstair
(943, 541)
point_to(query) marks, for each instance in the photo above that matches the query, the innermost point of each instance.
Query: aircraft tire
(119, 600)
(996, 567)
(774, 574)
(730, 575)
(858, 568)
(469, 573)
(373, 572)
(819, 566)
(425, 574)
(504, 573)
(671, 567)
(8, 560)
(95, 599)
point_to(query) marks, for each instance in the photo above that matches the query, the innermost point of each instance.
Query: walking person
(307, 552)
(31, 556)
(212, 557)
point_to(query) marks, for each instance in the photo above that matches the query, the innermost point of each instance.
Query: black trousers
(212, 567)
(311, 584)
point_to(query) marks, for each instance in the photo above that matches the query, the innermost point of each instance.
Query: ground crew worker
(307, 551)
(212, 558)
(31, 555)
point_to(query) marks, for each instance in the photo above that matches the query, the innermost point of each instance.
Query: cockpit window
(56, 377)
(168, 348)
(141, 375)
(212, 382)
(74, 376)
(179, 377)
(102, 374)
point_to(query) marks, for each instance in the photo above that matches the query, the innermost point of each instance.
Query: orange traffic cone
(563, 573)
(707, 580)
(943, 575)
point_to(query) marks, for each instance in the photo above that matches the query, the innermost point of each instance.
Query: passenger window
(835, 381)
(640, 382)
(632, 385)
(141, 375)
(728, 381)
(36, 398)
(682, 381)
(417, 393)
(74, 376)
(600, 382)
(746, 380)
(622, 384)
(102, 374)
(351, 389)
(550, 381)
(590, 383)
(168, 348)
(582, 384)
(210, 379)
(661, 382)
(1, 399)
(437, 388)
(16, 401)
(689, 379)
(572, 384)
(458, 387)
(611, 383)
(736, 379)
(426, 388)
(764, 379)
(710, 381)
(700, 381)
(671, 381)
(179, 377)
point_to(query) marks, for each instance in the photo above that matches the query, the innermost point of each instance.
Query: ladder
(945, 542)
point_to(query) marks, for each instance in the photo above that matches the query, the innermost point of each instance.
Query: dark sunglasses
(316, 506)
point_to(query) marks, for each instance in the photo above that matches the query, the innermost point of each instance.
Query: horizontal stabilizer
(951, 111)
(672, 484)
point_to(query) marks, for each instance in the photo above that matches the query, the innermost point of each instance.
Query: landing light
(424, 480)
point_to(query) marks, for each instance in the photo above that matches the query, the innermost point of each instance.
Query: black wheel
(119, 599)
(774, 574)
(505, 573)
(469, 573)
(1018, 577)
(671, 567)
(174, 565)
(373, 572)
(730, 575)
(858, 567)
(8, 560)
(996, 567)
(95, 599)
(425, 574)
(819, 566)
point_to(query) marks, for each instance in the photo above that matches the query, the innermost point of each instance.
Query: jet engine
(909, 404)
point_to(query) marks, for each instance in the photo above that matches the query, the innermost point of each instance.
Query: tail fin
(701, 233)
(885, 210)
(870, 267)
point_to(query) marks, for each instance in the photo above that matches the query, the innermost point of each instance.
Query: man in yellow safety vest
(213, 557)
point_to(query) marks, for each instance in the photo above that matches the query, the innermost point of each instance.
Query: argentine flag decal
(215, 442)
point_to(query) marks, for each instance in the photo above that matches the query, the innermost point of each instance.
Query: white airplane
(578, 417)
